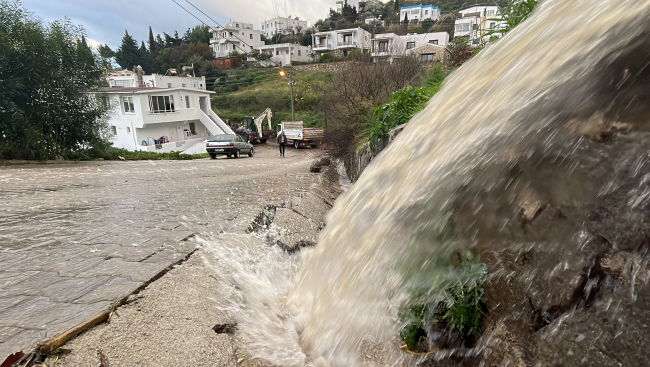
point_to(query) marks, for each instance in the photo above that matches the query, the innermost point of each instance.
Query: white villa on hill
(172, 117)
(477, 20)
(235, 36)
(341, 42)
(389, 46)
(283, 25)
(418, 13)
(285, 53)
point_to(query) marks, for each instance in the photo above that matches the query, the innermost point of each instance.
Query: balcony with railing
(318, 46)
(348, 44)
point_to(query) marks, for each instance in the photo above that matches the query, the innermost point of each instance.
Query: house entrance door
(203, 104)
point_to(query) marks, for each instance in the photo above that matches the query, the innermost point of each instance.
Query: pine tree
(127, 55)
(153, 49)
(397, 7)
(160, 44)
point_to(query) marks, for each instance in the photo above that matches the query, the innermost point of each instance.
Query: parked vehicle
(230, 145)
(253, 129)
(300, 136)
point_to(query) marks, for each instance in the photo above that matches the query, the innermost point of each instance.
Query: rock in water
(315, 167)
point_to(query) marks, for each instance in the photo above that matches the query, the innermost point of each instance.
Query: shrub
(325, 57)
(404, 104)
(458, 308)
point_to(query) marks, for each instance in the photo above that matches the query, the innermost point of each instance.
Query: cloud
(92, 43)
(106, 21)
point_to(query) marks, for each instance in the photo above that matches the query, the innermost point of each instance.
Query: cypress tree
(153, 49)
(84, 53)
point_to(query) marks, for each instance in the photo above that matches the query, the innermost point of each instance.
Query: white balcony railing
(323, 45)
(348, 43)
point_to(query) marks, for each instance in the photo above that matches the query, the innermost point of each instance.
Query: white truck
(300, 136)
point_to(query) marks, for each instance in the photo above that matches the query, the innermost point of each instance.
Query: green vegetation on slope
(250, 92)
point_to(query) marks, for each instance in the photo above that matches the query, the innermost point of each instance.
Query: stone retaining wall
(361, 158)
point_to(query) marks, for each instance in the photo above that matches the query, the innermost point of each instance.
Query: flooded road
(75, 238)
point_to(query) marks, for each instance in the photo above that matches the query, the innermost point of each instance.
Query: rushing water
(570, 70)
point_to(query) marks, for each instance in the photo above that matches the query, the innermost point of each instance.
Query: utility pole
(291, 83)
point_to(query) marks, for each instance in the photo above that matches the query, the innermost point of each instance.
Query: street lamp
(291, 84)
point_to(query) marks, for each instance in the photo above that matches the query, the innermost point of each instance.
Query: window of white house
(161, 104)
(299, 53)
(462, 27)
(410, 45)
(415, 11)
(124, 83)
(193, 128)
(474, 27)
(183, 85)
(251, 36)
(426, 12)
(128, 104)
(201, 86)
(128, 130)
(114, 130)
(287, 52)
(187, 101)
(277, 52)
(427, 57)
(383, 46)
(493, 25)
(169, 85)
(490, 13)
(433, 42)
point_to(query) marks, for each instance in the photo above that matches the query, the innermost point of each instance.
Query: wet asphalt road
(74, 238)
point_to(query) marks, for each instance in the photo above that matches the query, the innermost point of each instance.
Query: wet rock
(293, 231)
(315, 167)
(612, 333)
(325, 161)
(312, 207)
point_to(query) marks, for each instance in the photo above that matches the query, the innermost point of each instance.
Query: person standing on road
(282, 140)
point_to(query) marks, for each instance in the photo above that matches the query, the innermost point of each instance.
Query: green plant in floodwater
(458, 309)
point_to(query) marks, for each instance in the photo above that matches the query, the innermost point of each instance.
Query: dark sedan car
(230, 145)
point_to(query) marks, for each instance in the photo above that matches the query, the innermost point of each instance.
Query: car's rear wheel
(236, 154)
(213, 155)
(228, 155)
(250, 154)
(295, 144)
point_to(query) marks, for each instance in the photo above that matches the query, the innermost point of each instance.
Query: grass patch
(115, 153)
(272, 91)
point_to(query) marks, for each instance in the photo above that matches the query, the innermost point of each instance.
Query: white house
(161, 119)
(130, 79)
(388, 46)
(283, 26)
(285, 53)
(342, 41)
(419, 13)
(476, 21)
(371, 20)
(235, 36)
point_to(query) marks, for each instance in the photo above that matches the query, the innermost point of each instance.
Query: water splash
(572, 69)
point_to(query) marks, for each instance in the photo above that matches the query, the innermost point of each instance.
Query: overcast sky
(106, 20)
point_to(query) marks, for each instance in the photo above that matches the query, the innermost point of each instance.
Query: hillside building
(418, 13)
(341, 42)
(235, 36)
(280, 25)
(389, 46)
(476, 21)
